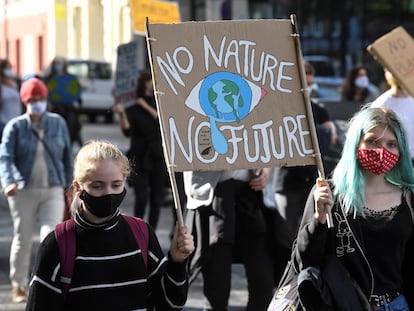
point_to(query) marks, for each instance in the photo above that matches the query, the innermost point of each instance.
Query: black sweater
(315, 240)
(109, 273)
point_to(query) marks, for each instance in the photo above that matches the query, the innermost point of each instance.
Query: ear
(76, 186)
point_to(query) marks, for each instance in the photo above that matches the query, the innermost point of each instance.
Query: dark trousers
(70, 114)
(239, 233)
(149, 184)
(259, 272)
(290, 204)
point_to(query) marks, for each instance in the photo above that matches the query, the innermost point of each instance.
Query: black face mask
(102, 206)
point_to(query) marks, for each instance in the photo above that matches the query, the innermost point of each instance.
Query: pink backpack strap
(140, 230)
(65, 234)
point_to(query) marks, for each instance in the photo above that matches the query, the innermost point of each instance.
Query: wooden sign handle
(308, 107)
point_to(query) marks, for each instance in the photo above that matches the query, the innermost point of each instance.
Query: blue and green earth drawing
(223, 97)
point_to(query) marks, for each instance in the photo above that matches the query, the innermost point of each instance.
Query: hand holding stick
(323, 202)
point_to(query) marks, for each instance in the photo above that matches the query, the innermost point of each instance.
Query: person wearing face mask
(399, 100)
(371, 200)
(35, 168)
(64, 96)
(356, 87)
(109, 269)
(10, 104)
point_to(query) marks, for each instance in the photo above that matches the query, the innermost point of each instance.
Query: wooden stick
(309, 114)
(170, 167)
(176, 196)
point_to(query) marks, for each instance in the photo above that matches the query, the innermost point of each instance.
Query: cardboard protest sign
(156, 11)
(395, 52)
(126, 73)
(229, 95)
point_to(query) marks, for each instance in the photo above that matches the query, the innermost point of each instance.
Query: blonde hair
(96, 151)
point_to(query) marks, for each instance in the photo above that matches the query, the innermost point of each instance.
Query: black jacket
(315, 241)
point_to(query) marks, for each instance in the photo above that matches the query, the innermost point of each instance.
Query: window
(100, 71)
(78, 69)
(90, 69)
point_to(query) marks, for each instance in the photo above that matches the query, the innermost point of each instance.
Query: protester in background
(356, 86)
(312, 86)
(35, 167)
(149, 175)
(292, 184)
(109, 271)
(226, 208)
(319, 111)
(10, 104)
(371, 197)
(399, 100)
(64, 96)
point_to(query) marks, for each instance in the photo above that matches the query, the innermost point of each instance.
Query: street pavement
(238, 297)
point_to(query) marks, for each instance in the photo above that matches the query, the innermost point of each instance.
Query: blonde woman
(109, 271)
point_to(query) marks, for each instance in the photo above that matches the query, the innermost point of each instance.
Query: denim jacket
(18, 150)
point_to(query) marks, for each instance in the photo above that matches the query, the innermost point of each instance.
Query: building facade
(32, 32)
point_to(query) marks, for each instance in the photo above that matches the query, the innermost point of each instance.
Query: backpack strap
(140, 230)
(65, 235)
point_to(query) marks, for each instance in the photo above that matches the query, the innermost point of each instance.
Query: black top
(378, 259)
(146, 142)
(387, 236)
(144, 127)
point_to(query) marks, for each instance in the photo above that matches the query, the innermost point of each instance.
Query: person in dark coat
(371, 201)
(292, 184)
(140, 123)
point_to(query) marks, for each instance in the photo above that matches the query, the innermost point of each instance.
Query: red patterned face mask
(378, 161)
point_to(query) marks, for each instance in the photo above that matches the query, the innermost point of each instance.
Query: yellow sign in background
(156, 11)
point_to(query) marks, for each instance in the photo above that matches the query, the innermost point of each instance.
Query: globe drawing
(225, 97)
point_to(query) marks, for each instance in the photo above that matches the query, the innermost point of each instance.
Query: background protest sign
(126, 73)
(229, 98)
(395, 52)
(156, 11)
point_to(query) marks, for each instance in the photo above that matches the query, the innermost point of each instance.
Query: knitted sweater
(109, 273)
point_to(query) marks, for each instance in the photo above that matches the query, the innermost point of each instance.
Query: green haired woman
(371, 200)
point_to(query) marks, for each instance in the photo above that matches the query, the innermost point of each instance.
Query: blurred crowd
(247, 216)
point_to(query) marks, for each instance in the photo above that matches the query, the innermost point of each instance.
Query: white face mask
(362, 82)
(58, 67)
(37, 108)
(8, 73)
